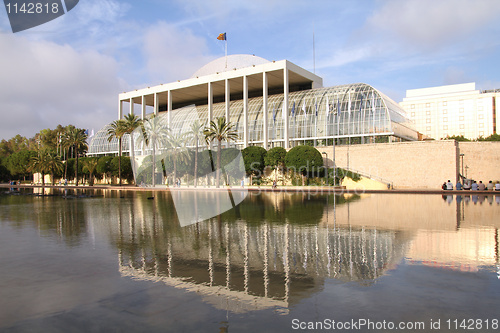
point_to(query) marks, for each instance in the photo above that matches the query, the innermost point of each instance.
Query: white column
(131, 106)
(228, 98)
(156, 104)
(210, 101)
(245, 111)
(169, 107)
(143, 107)
(285, 108)
(120, 109)
(264, 109)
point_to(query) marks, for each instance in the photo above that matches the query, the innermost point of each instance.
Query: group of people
(471, 185)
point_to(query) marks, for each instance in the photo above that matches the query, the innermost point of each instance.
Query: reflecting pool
(121, 261)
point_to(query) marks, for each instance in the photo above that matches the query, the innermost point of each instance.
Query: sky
(71, 70)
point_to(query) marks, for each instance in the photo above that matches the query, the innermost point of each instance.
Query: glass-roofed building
(271, 103)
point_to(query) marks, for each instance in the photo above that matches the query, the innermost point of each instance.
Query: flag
(360, 104)
(316, 107)
(293, 110)
(274, 113)
(338, 105)
(222, 36)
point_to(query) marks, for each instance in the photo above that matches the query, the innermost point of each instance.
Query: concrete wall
(421, 164)
(482, 159)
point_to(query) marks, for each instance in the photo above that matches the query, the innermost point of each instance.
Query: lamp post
(462, 157)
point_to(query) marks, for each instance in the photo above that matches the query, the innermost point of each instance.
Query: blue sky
(70, 70)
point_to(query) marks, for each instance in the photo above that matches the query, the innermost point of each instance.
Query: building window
(428, 128)
(461, 118)
(481, 125)
(461, 110)
(427, 105)
(412, 114)
(445, 127)
(445, 119)
(480, 108)
(445, 103)
(445, 111)
(481, 116)
(428, 113)
(462, 126)
(428, 121)
(481, 133)
(413, 106)
(462, 133)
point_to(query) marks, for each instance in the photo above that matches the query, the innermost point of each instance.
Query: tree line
(60, 153)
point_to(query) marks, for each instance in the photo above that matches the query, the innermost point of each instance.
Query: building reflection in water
(274, 249)
(270, 252)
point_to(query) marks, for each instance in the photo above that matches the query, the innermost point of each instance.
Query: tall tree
(154, 135)
(196, 132)
(177, 151)
(38, 163)
(53, 163)
(131, 123)
(18, 162)
(77, 139)
(91, 164)
(117, 130)
(220, 130)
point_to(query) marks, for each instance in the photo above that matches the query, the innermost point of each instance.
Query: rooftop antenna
(314, 54)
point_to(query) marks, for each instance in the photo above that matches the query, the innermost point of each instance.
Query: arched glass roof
(345, 111)
(100, 145)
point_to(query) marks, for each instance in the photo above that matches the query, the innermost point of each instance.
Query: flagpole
(226, 51)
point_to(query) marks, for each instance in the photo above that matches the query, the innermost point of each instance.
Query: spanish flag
(222, 36)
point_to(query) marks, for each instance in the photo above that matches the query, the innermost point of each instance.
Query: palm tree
(177, 150)
(53, 163)
(66, 146)
(196, 133)
(117, 130)
(154, 135)
(38, 163)
(91, 165)
(130, 123)
(77, 139)
(220, 130)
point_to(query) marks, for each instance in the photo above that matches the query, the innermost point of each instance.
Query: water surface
(116, 261)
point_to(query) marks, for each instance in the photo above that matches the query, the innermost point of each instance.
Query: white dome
(233, 61)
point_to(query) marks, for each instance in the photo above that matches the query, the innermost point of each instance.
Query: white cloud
(432, 23)
(173, 53)
(44, 84)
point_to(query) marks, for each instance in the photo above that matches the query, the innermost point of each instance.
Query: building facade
(271, 103)
(453, 110)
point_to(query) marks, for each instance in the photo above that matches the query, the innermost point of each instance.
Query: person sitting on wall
(443, 187)
(474, 186)
(490, 186)
(449, 185)
(497, 186)
(481, 186)
(459, 186)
